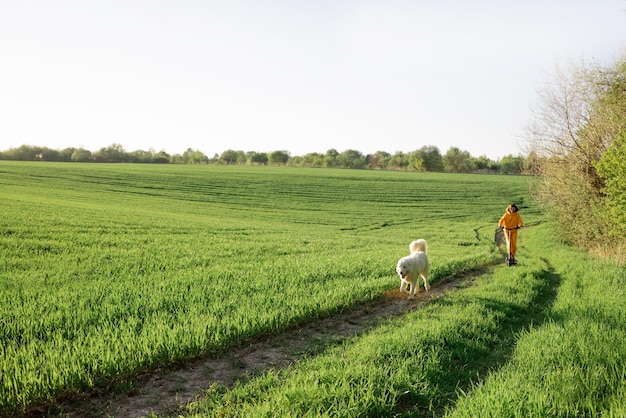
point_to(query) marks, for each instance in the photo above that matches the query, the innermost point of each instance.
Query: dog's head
(402, 268)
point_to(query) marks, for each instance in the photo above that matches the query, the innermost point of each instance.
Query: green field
(110, 270)
(543, 339)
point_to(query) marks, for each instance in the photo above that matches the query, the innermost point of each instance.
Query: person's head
(512, 208)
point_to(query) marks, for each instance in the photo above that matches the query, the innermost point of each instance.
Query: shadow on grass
(466, 360)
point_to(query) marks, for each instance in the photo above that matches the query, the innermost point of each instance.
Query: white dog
(411, 267)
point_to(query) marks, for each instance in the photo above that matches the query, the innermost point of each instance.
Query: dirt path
(163, 392)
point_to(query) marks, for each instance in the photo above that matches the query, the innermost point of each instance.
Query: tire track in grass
(164, 391)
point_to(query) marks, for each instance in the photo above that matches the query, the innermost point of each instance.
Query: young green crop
(544, 339)
(111, 269)
(574, 362)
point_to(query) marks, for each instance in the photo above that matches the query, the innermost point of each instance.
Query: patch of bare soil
(164, 392)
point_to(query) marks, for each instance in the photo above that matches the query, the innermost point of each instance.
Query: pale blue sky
(302, 76)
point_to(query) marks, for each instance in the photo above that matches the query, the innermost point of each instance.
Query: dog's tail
(418, 246)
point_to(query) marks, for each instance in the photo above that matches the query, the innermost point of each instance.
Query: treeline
(427, 158)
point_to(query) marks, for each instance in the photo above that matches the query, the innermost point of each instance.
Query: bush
(612, 170)
(580, 114)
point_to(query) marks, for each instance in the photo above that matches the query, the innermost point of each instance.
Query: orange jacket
(511, 220)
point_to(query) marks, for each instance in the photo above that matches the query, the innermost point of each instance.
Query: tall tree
(457, 161)
(580, 112)
(81, 155)
(279, 157)
(351, 159)
(510, 164)
(114, 153)
(229, 156)
(431, 158)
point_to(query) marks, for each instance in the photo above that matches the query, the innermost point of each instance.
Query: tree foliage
(457, 161)
(580, 115)
(278, 157)
(431, 158)
(612, 169)
(426, 158)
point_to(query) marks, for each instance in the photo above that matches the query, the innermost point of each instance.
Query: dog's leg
(426, 285)
(412, 292)
(403, 284)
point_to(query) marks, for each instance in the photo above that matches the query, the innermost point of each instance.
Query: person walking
(511, 221)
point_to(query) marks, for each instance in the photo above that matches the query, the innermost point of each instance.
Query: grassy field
(546, 338)
(108, 270)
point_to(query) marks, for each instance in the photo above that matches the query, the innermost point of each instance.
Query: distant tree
(139, 156)
(241, 157)
(431, 158)
(415, 161)
(81, 155)
(330, 158)
(23, 153)
(257, 158)
(191, 156)
(482, 164)
(229, 156)
(313, 159)
(187, 156)
(351, 159)
(199, 157)
(48, 154)
(510, 164)
(377, 160)
(66, 154)
(279, 157)
(457, 161)
(160, 157)
(398, 161)
(114, 153)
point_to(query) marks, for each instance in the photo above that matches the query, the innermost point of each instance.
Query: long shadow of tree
(466, 361)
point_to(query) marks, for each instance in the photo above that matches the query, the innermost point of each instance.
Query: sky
(300, 76)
